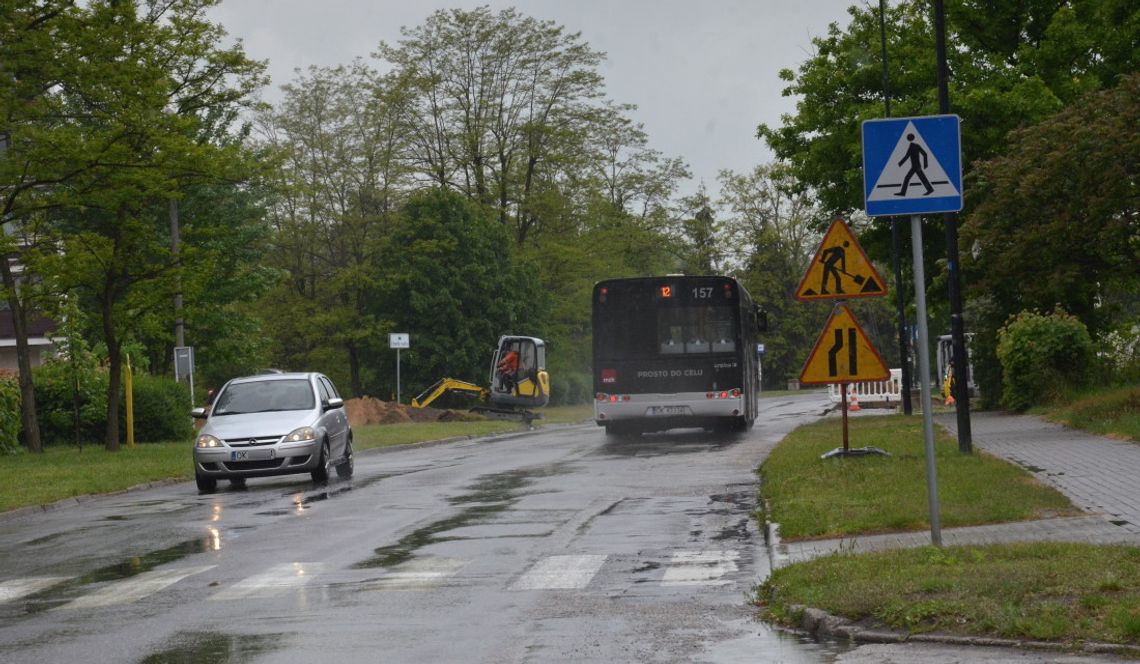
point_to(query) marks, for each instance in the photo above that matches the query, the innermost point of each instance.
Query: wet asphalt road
(559, 545)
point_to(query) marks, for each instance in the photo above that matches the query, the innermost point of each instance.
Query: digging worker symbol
(915, 154)
(834, 261)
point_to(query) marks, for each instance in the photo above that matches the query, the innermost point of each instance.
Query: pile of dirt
(367, 410)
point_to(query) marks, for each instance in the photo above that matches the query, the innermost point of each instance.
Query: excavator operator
(506, 368)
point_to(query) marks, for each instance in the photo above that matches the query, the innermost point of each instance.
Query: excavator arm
(445, 385)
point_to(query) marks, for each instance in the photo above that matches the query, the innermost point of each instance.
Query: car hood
(259, 425)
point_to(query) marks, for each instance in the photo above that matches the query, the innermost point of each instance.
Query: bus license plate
(668, 410)
(252, 455)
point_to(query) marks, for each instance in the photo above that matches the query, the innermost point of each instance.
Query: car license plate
(253, 455)
(669, 410)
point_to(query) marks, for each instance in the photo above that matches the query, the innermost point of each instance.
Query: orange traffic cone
(854, 406)
(949, 399)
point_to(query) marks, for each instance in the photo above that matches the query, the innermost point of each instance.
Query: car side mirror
(198, 413)
(334, 403)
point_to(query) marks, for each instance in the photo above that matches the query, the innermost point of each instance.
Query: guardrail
(873, 393)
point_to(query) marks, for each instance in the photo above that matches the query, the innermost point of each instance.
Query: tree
(455, 286)
(340, 182)
(702, 248)
(497, 98)
(27, 163)
(132, 103)
(1057, 220)
(770, 221)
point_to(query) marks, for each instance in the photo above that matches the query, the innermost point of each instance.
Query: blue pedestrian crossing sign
(912, 165)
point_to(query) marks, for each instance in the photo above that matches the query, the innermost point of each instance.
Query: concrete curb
(820, 624)
(21, 512)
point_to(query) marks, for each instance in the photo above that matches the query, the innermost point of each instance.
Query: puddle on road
(193, 647)
(489, 496)
(61, 593)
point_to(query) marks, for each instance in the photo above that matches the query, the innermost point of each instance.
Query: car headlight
(206, 440)
(302, 434)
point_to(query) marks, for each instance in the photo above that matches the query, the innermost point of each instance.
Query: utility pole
(960, 362)
(896, 237)
(179, 336)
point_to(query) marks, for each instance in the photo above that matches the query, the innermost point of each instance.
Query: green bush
(69, 391)
(9, 414)
(570, 388)
(162, 410)
(1043, 357)
(66, 392)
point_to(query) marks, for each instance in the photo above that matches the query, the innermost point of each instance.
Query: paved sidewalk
(1100, 475)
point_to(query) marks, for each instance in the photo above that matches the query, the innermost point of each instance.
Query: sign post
(398, 340)
(840, 270)
(843, 354)
(913, 166)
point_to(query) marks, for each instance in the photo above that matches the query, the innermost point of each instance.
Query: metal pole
(397, 375)
(179, 337)
(843, 392)
(896, 234)
(924, 378)
(957, 326)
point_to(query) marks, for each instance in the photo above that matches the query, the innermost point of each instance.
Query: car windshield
(265, 396)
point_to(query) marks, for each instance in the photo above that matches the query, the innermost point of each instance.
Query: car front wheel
(344, 468)
(205, 484)
(320, 474)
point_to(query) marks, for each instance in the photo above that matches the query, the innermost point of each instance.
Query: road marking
(17, 588)
(688, 568)
(561, 573)
(134, 589)
(271, 582)
(418, 574)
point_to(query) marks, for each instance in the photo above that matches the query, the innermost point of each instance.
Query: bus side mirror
(761, 319)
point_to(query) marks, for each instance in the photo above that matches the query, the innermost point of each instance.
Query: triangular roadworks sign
(840, 269)
(843, 353)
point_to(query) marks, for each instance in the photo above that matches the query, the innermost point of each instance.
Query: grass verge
(1067, 593)
(66, 472)
(1111, 412)
(815, 498)
(1064, 593)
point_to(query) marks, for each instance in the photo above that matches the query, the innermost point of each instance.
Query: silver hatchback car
(273, 424)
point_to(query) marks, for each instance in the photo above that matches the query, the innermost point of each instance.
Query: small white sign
(399, 340)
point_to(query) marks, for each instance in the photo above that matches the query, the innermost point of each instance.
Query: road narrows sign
(843, 353)
(840, 269)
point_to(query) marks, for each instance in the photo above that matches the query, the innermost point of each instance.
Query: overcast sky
(703, 73)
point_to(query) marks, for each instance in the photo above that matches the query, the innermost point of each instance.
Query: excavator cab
(518, 373)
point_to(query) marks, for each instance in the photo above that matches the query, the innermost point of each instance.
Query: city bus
(675, 351)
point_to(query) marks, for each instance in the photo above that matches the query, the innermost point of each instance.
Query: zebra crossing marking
(690, 568)
(16, 588)
(134, 589)
(418, 574)
(271, 582)
(561, 573)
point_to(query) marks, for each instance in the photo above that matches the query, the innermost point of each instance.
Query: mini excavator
(518, 379)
